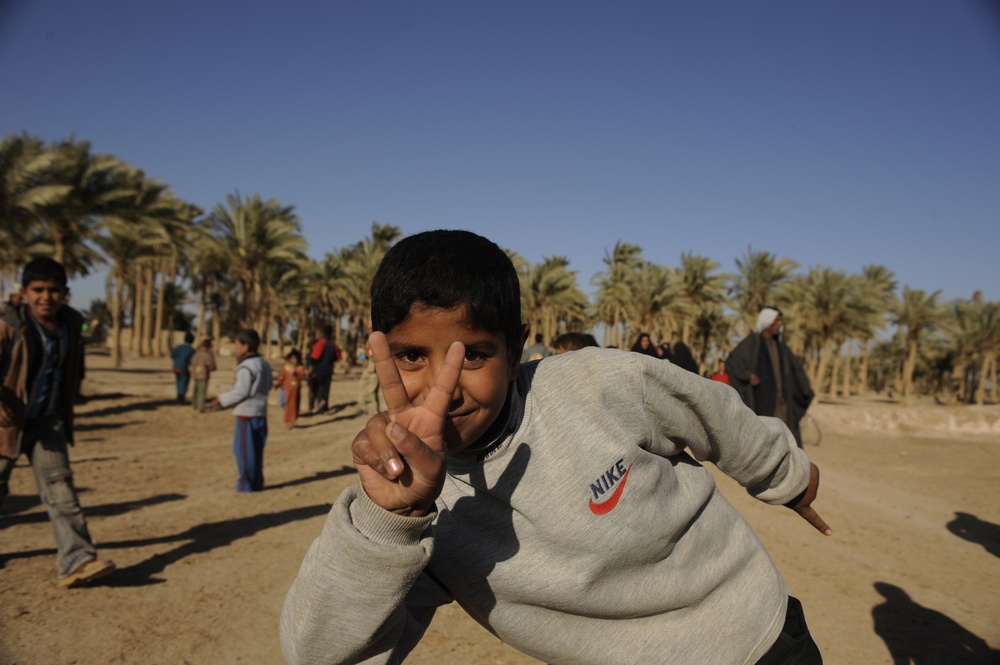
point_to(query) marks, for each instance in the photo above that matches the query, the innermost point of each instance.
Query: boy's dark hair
(249, 337)
(43, 270)
(207, 344)
(574, 341)
(294, 353)
(189, 337)
(446, 269)
(327, 330)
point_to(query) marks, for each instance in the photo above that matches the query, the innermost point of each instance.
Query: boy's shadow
(199, 539)
(977, 531)
(922, 636)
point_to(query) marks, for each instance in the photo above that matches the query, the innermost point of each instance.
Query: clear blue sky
(838, 133)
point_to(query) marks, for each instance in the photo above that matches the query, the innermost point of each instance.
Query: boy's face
(419, 345)
(240, 348)
(44, 298)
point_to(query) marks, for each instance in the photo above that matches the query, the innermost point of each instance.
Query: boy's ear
(525, 329)
(516, 356)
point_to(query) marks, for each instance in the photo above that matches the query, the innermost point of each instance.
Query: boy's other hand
(400, 455)
(802, 504)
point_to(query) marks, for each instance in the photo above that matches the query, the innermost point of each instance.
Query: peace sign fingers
(393, 390)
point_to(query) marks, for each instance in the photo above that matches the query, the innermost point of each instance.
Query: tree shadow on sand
(319, 475)
(19, 504)
(198, 540)
(922, 636)
(148, 405)
(977, 531)
(93, 427)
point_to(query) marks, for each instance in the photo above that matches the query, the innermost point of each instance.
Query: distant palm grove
(243, 264)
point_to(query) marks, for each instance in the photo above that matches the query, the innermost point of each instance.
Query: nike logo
(604, 483)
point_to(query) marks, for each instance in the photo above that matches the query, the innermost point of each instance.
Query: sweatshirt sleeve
(711, 421)
(361, 595)
(241, 388)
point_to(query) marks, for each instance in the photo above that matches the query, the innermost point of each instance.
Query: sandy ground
(912, 570)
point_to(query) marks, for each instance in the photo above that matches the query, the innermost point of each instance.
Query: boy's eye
(475, 357)
(409, 357)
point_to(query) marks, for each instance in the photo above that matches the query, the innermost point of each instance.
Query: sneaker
(86, 572)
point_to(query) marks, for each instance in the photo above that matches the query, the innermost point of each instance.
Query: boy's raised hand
(400, 455)
(802, 504)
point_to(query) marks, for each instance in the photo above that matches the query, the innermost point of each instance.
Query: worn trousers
(795, 644)
(248, 448)
(182, 379)
(44, 443)
(198, 394)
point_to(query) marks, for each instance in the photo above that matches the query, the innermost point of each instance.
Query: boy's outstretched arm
(400, 454)
(802, 504)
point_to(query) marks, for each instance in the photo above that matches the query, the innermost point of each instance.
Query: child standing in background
(290, 379)
(201, 367)
(249, 397)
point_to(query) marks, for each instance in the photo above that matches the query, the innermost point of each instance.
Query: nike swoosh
(607, 506)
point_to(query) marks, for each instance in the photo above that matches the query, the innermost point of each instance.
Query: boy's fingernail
(396, 432)
(395, 466)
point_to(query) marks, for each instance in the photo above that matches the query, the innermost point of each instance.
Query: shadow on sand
(148, 405)
(319, 475)
(922, 636)
(977, 531)
(20, 504)
(198, 540)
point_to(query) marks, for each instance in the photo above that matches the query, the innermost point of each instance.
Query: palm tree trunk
(863, 368)
(173, 282)
(138, 316)
(216, 324)
(147, 309)
(835, 360)
(818, 379)
(161, 302)
(848, 375)
(116, 320)
(200, 327)
(908, 366)
(984, 373)
(993, 376)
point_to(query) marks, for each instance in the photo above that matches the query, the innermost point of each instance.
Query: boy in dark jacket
(40, 349)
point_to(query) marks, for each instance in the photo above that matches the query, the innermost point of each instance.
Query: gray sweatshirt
(250, 389)
(586, 533)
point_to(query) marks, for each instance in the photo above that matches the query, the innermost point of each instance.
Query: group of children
(562, 502)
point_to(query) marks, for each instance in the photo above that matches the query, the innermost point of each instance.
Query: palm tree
(878, 292)
(987, 338)
(704, 292)
(23, 161)
(655, 300)
(613, 288)
(256, 233)
(920, 314)
(79, 190)
(758, 273)
(208, 274)
(549, 295)
(355, 270)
